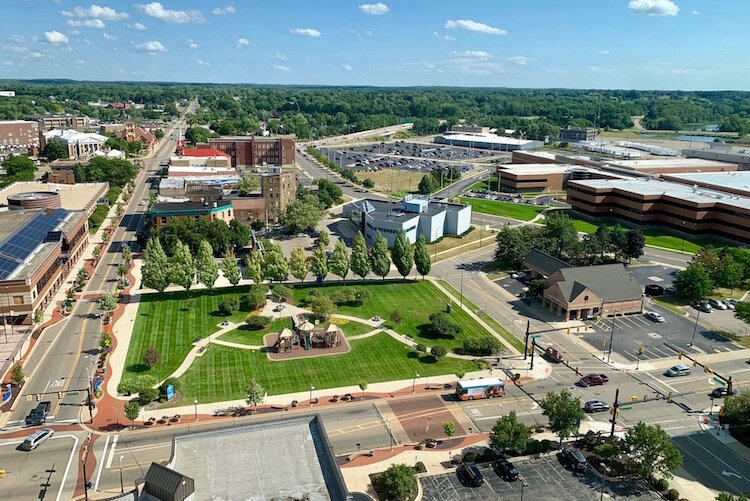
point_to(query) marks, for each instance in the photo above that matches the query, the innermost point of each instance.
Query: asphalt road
(49, 472)
(713, 464)
(68, 352)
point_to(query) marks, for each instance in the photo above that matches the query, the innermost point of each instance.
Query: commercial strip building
(163, 212)
(20, 136)
(649, 201)
(80, 145)
(585, 291)
(279, 190)
(254, 150)
(431, 218)
(486, 141)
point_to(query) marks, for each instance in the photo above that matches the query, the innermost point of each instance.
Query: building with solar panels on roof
(38, 247)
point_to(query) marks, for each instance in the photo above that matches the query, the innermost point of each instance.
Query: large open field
(511, 210)
(404, 181)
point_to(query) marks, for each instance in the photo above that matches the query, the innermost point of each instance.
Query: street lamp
(390, 433)
(695, 327)
(122, 487)
(195, 402)
(414, 383)
(604, 479)
(311, 390)
(523, 484)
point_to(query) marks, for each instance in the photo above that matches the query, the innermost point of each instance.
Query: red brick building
(254, 150)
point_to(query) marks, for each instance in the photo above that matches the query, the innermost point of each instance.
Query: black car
(472, 474)
(505, 470)
(720, 392)
(39, 414)
(573, 458)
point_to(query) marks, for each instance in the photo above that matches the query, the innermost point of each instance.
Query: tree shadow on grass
(137, 368)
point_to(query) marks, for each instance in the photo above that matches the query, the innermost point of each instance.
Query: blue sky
(644, 44)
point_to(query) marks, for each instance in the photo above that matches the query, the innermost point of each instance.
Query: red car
(593, 380)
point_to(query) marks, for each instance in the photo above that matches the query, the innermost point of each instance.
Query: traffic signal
(618, 414)
(59, 395)
(679, 356)
(729, 386)
(695, 362)
(705, 369)
(669, 397)
(38, 397)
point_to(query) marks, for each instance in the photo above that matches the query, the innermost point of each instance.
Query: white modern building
(80, 145)
(431, 218)
(486, 141)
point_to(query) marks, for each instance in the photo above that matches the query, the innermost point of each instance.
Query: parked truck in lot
(39, 414)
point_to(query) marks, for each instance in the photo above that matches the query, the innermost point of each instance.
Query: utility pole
(640, 352)
(615, 406)
(85, 460)
(611, 336)
(695, 328)
(462, 288)
(526, 340)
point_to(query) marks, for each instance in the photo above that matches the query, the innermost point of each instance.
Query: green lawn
(166, 323)
(243, 335)
(487, 184)
(223, 373)
(511, 210)
(415, 301)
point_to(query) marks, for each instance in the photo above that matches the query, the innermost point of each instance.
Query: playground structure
(306, 336)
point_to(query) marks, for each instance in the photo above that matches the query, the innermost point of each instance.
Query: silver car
(654, 316)
(35, 439)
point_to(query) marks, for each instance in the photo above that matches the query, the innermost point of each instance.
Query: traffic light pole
(533, 349)
(615, 406)
(526, 340)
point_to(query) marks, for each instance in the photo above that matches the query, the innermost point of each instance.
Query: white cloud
(696, 12)
(36, 54)
(80, 61)
(604, 52)
(223, 11)
(347, 67)
(137, 26)
(520, 60)
(202, 62)
(7, 63)
(87, 23)
(74, 32)
(280, 56)
(107, 36)
(474, 54)
(443, 37)
(55, 37)
(374, 9)
(157, 10)
(477, 27)
(18, 38)
(279, 67)
(191, 43)
(305, 32)
(96, 12)
(152, 47)
(243, 42)
(18, 49)
(654, 7)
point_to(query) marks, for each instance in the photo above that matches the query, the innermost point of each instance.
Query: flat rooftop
(521, 169)
(655, 187)
(667, 163)
(284, 459)
(484, 138)
(736, 181)
(73, 197)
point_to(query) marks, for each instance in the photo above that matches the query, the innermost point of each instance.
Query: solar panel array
(20, 244)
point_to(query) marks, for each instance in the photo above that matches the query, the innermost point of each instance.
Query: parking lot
(420, 150)
(543, 478)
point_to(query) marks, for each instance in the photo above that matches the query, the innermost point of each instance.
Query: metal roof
(481, 383)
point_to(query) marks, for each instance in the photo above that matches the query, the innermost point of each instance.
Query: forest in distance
(314, 111)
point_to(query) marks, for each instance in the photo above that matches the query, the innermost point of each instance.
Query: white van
(36, 438)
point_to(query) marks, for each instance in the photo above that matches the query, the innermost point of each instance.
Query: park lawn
(243, 335)
(165, 322)
(223, 373)
(415, 301)
(510, 210)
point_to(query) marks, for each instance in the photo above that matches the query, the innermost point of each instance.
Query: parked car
(573, 458)
(671, 289)
(730, 303)
(593, 380)
(595, 406)
(717, 304)
(505, 470)
(35, 439)
(654, 316)
(39, 414)
(472, 474)
(279, 308)
(519, 275)
(678, 370)
(553, 355)
(703, 306)
(720, 392)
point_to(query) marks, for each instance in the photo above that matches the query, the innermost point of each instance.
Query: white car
(717, 304)
(654, 316)
(730, 303)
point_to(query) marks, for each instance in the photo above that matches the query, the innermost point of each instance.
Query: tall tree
(635, 243)
(239, 234)
(155, 266)
(127, 254)
(509, 434)
(319, 262)
(563, 411)
(275, 266)
(183, 269)
(360, 260)
(381, 265)
(230, 269)
(340, 260)
(402, 254)
(298, 265)
(422, 257)
(650, 451)
(693, 283)
(323, 238)
(255, 266)
(205, 265)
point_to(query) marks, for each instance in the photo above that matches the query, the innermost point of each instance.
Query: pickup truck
(593, 380)
(39, 414)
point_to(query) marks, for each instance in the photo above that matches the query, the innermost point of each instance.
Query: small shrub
(163, 388)
(662, 484)
(470, 457)
(368, 183)
(443, 326)
(484, 345)
(438, 351)
(605, 450)
(672, 495)
(396, 317)
(533, 447)
(546, 445)
(257, 322)
(482, 364)
(229, 306)
(147, 395)
(135, 384)
(421, 348)
(420, 467)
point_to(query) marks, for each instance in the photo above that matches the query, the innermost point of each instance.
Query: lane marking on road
(112, 452)
(712, 454)
(78, 356)
(660, 381)
(709, 468)
(67, 467)
(100, 465)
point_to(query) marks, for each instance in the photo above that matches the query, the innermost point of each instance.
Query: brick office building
(279, 190)
(254, 150)
(20, 136)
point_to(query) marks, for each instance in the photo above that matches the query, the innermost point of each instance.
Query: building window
(17, 299)
(163, 220)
